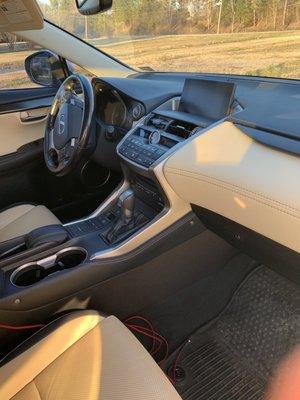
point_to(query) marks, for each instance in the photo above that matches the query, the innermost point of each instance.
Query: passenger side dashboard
(243, 166)
(226, 171)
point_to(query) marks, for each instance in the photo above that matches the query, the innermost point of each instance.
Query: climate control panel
(142, 147)
(150, 140)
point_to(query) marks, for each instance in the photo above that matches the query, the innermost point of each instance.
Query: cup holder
(28, 275)
(31, 273)
(70, 258)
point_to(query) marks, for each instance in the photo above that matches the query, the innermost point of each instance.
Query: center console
(202, 103)
(140, 210)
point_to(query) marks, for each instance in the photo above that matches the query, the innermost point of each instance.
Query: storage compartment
(34, 272)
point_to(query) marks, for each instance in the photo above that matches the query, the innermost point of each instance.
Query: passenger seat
(83, 356)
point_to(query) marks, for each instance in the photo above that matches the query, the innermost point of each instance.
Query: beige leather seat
(83, 356)
(21, 219)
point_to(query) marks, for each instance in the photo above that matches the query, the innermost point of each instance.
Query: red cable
(144, 331)
(156, 336)
(141, 318)
(138, 317)
(176, 363)
(141, 330)
(153, 335)
(155, 351)
(20, 327)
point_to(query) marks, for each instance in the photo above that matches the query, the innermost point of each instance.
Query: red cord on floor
(175, 364)
(148, 323)
(20, 327)
(159, 343)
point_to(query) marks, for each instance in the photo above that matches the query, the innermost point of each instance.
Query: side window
(13, 52)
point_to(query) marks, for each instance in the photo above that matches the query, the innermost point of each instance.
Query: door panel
(20, 128)
(23, 175)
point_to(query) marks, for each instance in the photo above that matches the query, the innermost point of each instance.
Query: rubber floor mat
(234, 357)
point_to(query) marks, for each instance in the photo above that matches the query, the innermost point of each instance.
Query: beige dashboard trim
(227, 172)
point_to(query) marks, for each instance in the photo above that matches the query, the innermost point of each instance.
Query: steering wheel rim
(67, 133)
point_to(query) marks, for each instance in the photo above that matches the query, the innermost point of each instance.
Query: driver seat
(24, 218)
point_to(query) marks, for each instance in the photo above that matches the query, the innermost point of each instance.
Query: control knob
(154, 137)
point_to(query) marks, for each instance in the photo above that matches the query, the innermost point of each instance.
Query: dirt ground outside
(274, 54)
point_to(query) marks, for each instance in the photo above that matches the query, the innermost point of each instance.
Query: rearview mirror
(45, 69)
(90, 7)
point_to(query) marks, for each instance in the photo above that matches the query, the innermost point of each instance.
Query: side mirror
(90, 7)
(45, 69)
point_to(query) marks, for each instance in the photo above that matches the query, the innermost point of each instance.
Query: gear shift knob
(126, 202)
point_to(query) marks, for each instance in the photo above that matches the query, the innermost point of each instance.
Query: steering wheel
(68, 136)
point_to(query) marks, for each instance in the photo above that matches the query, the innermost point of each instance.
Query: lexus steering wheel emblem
(61, 128)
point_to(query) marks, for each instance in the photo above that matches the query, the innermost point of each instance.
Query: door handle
(33, 116)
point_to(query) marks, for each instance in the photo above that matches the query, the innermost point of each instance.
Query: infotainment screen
(208, 99)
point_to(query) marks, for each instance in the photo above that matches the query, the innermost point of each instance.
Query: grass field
(264, 54)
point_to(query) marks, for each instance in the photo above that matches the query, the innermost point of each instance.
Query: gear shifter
(126, 221)
(127, 202)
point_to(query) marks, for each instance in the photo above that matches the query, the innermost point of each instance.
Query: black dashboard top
(270, 106)
(149, 92)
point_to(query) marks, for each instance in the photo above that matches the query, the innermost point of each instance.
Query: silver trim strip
(110, 199)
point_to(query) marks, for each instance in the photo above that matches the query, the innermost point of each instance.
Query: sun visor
(20, 15)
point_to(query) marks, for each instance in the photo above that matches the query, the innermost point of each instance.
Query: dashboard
(228, 144)
(174, 122)
(267, 109)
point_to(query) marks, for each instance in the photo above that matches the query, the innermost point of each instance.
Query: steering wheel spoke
(51, 141)
(68, 129)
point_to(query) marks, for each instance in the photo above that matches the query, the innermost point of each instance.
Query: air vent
(159, 122)
(181, 129)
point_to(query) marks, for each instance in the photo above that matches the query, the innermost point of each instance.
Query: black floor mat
(234, 357)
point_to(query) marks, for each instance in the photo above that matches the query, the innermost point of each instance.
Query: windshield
(245, 37)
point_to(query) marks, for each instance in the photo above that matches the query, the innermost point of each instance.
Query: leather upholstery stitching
(234, 190)
(37, 389)
(233, 187)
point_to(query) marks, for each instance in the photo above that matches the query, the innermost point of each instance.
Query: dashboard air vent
(159, 122)
(181, 129)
